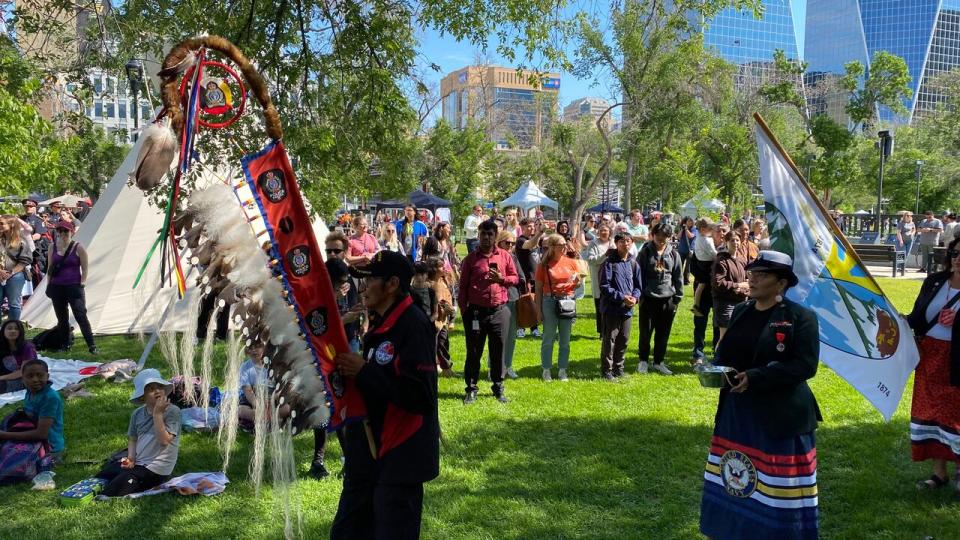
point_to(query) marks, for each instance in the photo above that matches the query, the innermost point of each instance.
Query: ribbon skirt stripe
(756, 486)
(935, 411)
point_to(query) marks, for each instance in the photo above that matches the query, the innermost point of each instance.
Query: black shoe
(93, 350)
(609, 377)
(318, 470)
(502, 398)
(470, 398)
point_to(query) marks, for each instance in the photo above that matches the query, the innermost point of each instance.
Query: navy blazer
(778, 379)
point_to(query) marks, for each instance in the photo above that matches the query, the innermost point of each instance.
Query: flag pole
(816, 200)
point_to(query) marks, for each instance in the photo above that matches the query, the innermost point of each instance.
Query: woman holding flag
(935, 412)
(761, 473)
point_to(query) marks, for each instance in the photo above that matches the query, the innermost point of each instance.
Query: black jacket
(399, 387)
(777, 386)
(920, 325)
(666, 283)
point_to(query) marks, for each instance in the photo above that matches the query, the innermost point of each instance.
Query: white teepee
(117, 235)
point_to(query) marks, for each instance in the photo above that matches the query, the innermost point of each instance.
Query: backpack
(50, 340)
(20, 461)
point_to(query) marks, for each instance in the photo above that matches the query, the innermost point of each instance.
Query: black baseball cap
(386, 264)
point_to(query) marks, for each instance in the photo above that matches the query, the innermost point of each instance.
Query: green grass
(585, 459)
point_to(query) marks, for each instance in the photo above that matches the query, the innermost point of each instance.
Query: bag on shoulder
(527, 311)
(20, 461)
(566, 308)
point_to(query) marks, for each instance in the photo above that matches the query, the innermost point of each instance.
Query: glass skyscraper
(925, 33)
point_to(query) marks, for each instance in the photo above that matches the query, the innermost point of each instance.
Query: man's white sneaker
(520, 333)
(511, 373)
(663, 369)
(536, 332)
(546, 375)
(642, 368)
(562, 375)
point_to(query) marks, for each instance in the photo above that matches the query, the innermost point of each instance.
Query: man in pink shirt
(485, 275)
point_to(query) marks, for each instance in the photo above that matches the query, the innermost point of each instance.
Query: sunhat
(774, 262)
(144, 378)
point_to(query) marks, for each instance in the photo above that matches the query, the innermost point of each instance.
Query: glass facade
(520, 113)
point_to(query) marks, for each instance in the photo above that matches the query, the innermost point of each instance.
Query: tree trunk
(628, 183)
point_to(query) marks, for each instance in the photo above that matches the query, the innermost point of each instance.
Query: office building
(517, 114)
(588, 107)
(925, 33)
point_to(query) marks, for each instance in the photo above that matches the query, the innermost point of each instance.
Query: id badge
(475, 326)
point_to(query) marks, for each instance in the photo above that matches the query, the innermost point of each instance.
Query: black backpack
(50, 340)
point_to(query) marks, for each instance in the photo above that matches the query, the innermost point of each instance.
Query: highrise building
(517, 114)
(589, 107)
(925, 33)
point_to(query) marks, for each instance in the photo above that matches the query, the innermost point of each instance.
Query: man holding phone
(485, 275)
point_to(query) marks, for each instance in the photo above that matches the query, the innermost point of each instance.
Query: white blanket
(62, 373)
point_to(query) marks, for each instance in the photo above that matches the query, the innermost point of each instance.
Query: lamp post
(134, 69)
(919, 166)
(885, 145)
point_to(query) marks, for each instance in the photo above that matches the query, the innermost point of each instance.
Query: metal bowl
(715, 376)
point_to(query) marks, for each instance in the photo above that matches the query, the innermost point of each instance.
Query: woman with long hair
(14, 266)
(66, 277)
(729, 281)
(15, 350)
(507, 241)
(595, 253)
(388, 238)
(557, 278)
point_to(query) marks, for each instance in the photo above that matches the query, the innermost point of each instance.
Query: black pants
(320, 443)
(686, 268)
(443, 349)
(122, 481)
(656, 318)
(596, 310)
(372, 510)
(493, 323)
(207, 305)
(616, 334)
(62, 296)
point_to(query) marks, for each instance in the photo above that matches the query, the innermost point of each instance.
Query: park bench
(880, 253)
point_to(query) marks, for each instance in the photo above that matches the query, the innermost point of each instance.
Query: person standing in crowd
(485, 276)
(389, 240)
(758, 233)
(16, 260)
(507, 242)
(950, 228)
(67, 276)
(704, 254)
(589, 229)
(595, 253)
(687, 235)
(510, 222)
(526, 245)
(363, 245)
(557, 278)
(662, 285)
(32, 219)
(935, 411)
(382, 494)
(929, 229)
(746, 250)
(620, 289)
(445, 313)
(637, 229)
(413, 233)
(471, 227)
(729, 285)
(563, 229)
(440, 246)
(766, 416)
(906, 231)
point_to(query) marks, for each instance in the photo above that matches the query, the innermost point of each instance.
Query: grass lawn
(584, 459)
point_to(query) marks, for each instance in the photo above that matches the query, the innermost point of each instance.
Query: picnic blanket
(62, 373)
(202, 483)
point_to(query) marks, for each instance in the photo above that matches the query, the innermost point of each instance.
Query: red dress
(935, 413)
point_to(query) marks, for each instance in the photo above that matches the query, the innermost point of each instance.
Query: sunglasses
(334, 251)
(953, 254)
(509, 243)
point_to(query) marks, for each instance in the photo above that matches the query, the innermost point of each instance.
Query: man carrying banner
(390, 456)
(761, 473)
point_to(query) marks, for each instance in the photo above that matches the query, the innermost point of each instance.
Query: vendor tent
(701, 202)
(427, 200)
(117, 235)
(529, 196)
(606, 207)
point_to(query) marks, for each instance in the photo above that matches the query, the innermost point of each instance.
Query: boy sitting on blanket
(44, 404)
(154, 439)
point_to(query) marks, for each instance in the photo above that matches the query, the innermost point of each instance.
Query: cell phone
(493, 266)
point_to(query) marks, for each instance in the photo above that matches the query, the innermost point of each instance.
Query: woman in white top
(595, 253)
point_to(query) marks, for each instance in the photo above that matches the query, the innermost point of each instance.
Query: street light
(885, 145)
(134, 69)
(919, 166)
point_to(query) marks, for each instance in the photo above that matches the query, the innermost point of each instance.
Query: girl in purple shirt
(14, 351)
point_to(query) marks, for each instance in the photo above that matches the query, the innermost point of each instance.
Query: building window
(110, 110)
(98, 85)
(123, 110)
(145, 112)
(98, 109)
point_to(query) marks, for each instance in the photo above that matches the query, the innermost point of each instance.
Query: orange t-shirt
(563, 274)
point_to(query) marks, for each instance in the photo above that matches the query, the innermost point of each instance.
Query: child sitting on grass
(253, 379)
(44, 404)
(153, 439)
(15, 350)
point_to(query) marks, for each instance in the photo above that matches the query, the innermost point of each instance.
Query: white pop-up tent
(529, 196)
(117, 236)
(702, 202)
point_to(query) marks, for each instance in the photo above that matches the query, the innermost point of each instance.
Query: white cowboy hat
(144, 378)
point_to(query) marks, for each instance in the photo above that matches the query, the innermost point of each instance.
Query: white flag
(862, 337)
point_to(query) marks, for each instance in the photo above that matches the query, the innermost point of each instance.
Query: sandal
(934, 482)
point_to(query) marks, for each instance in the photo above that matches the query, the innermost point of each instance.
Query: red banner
(305, 278)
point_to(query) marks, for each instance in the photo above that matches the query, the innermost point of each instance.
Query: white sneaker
(642, 368)
(511, 373)
(536, 332)
(521, 333)
(546, 376)
(562, 375)
(662, 368)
